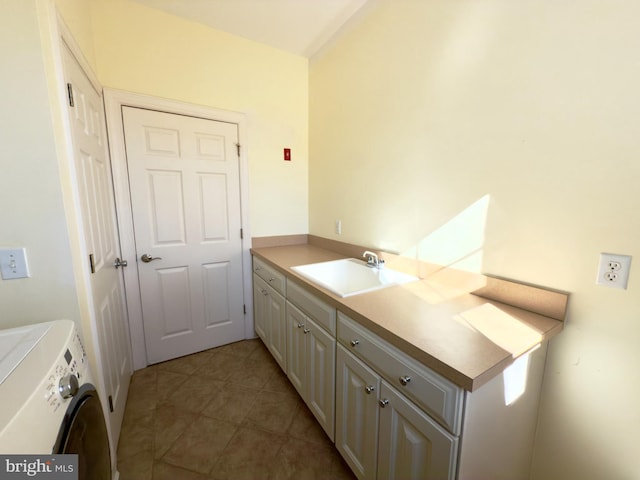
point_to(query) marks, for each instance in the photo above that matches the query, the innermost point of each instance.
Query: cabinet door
(277, 328)
(357, 388)
(296, 349)
(260, 312)
(412, 445)
(321, 364)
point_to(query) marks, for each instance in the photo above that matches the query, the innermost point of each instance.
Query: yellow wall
(32, 212)
(426, 107)
(147, 51)
(76, 15)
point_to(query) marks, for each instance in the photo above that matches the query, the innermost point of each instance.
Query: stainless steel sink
(348, 276)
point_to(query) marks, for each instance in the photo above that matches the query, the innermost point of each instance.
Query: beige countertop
(466, 338)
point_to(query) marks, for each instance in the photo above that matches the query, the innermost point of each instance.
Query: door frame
(114, 100)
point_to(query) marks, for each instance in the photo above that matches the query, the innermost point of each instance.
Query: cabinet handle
(300, 325)
(383, 403)
(271, 279)
(405, 379)
(306, 330)
(369, 389)
(354, 342)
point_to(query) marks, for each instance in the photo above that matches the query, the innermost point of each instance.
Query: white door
(93, 176)
(357, 388)
(411, 445)
(321, 370)
(296, 349)
(185, 196)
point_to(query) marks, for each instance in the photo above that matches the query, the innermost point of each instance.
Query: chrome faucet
(372, 260)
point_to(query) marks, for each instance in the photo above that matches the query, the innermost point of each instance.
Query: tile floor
(227, 413)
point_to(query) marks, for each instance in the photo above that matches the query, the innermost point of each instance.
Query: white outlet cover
(13, 263)
(610, 275)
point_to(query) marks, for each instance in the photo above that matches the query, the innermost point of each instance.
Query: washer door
(84, 432)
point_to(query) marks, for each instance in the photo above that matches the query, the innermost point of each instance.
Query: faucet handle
(372, 258)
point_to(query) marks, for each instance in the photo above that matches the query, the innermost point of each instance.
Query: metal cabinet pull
(300, 325)
(383, 403)
(306, 330)
(369, 389)
(120, 263)
(354, 342)
(405, 379)
(148, 258)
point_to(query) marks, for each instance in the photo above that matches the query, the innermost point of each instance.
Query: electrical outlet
(613, 270)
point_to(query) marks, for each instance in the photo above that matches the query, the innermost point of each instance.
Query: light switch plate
(13, 263)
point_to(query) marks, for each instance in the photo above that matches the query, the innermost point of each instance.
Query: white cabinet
(269, 310)
(410, 444)
(357, 388)
(381, 434)
(311, 351)
(393, 417)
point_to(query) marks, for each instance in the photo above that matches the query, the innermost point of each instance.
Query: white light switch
(13, 263)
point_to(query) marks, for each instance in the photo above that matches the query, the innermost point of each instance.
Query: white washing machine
(49, 402)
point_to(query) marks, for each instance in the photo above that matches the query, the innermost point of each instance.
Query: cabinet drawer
(320, 312)
(438, 396)
(270, 275)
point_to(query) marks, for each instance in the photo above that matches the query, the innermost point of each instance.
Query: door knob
(120, 263)
(148, 258)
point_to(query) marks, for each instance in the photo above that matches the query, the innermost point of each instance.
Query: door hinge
(244, 308)
(241, 234)
(92, 263)
(238, 147)
(110, 403)
(70, 94)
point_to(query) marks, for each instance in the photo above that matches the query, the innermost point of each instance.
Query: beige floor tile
(220, 366)
(253, 373)
(137, 434)
(304, 426)
(193, 395)
(200, 445)
(278, 382)
(239, 349)
(250, 454)
(185, 365)
(227, 413)
(230, 402)
(170, 423)
(138, 467)
(164, 471)
(272, 411)
(168, 383)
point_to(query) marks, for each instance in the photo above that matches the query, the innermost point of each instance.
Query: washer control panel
(63, 380)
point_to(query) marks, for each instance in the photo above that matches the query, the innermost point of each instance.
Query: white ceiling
(301, 27)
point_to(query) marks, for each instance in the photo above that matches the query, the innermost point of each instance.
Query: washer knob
(68, 386)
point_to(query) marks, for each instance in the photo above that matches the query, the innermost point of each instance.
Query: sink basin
(349, 276)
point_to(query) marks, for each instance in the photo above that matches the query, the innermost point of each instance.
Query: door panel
(321, 362)
(412, 445)
(97, 206)
(357, 388)
(185, 197)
